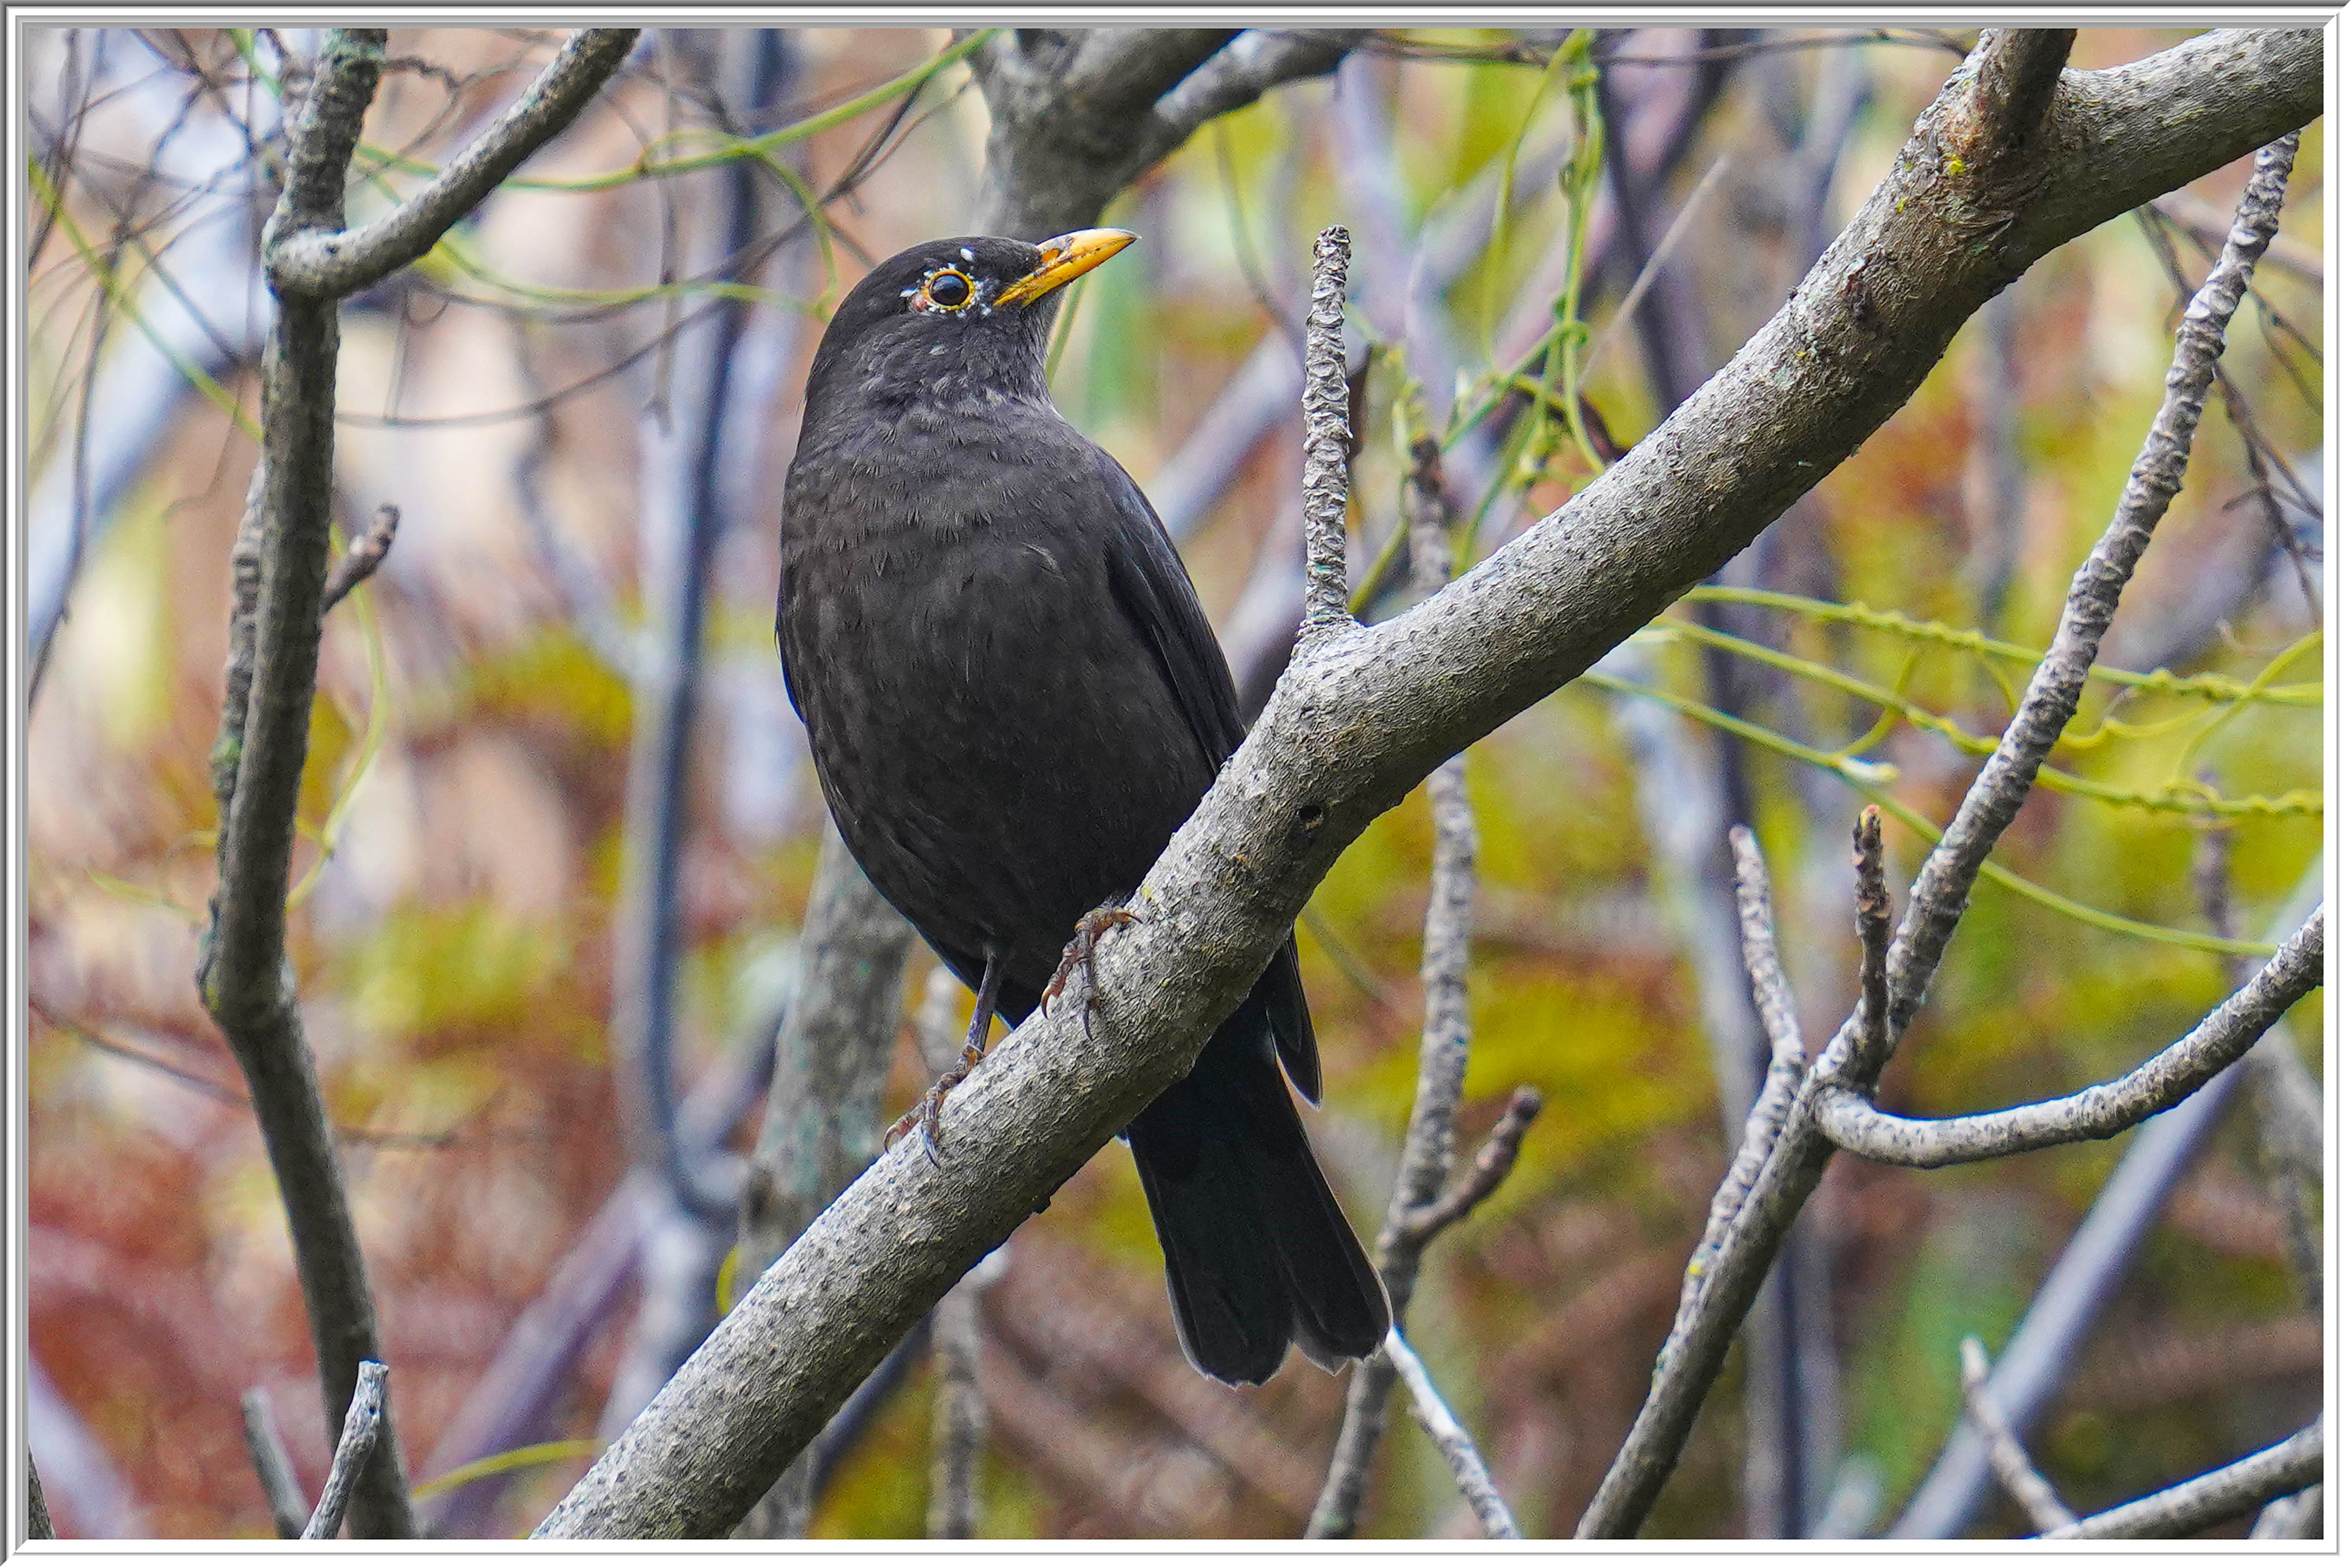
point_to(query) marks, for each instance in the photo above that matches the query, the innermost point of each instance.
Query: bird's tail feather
(1259, 1254)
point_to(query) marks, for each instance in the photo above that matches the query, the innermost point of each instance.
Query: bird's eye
(947, 290)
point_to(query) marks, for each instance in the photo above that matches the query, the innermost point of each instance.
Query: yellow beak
(1064, 257)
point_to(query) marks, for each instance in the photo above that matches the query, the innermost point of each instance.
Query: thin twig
(1768, 1118)
(1688, 1369)
(363, 1426)
(1326, 484)
(273, 1465)
(2038, 1357)
(1488, 1169)
(2227, 1033)
(1417, 1211)
(2011, 1462)
(360, 560)
(1872, 915)
(1462, 1455)
(2194, 1505)
(333, 263)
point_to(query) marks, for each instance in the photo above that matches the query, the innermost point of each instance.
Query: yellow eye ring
(948, 290)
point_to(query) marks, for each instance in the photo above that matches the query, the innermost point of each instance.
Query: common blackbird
(1013, 700)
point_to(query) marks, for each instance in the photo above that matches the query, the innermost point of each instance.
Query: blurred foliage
(471, 743)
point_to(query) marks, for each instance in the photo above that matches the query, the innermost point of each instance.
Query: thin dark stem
(273, 1466)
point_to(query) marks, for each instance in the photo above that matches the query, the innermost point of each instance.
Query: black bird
(1013, 700)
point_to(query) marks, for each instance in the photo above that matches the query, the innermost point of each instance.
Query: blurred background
(582, 402)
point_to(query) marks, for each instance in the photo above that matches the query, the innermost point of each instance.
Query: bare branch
(1417, 1211)
(2016, 79)
(279, 564)
(2191, 1505)
(1354, 726)
(1687, 1368)
(1873, 913)
(360, 559)
(1462, 1455)
(38, 1526)
(335, 262)
(1237, 75)
(1775, 1004)
(958, 1414)
(1489, 1168)
(273, 1466)
(362, 1427)
(2011, 1462)
(2227, 1033)
(2296, 1517)
(1326, 401)
(2038, 1357)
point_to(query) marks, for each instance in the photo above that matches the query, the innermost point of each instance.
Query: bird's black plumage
(1013, 699)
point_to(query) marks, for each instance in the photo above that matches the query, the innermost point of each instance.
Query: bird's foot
(925, 1114)
(1078, 960)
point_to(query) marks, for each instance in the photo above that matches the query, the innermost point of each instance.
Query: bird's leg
(975, 1046)
(1078, 958)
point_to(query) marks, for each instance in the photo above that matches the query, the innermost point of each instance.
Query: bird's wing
(1152, 589)
(1148, 582)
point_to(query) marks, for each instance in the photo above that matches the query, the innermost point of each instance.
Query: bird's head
(951, 317)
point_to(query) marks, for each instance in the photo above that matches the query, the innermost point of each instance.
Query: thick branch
(2164, 1081)
(1354, 726)
(334, 264)
(1075, 118)
(2191, 1505)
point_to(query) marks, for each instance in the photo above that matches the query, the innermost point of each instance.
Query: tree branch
(273, 1465)
(1855, 1057)
(363, 1426)
(1417, 1209)
(2037, 1358)
(38, 1526)
(1461, 1456)
(333, 263)
(1850, 1121)
(2015, 82)
(1353, 727)
(280, 566)
(360, 560)
(1326, 401)
(2192, 1506)
(2011, 1462)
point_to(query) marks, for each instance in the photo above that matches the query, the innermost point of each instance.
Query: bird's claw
(1078, 960)
(926, 1115)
